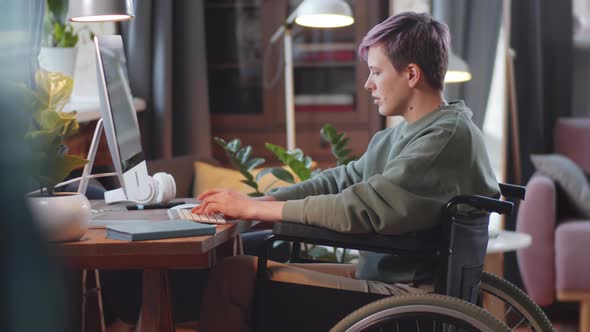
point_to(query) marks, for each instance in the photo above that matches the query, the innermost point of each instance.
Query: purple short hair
(412, 38)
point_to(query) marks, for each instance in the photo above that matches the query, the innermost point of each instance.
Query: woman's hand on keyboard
(235, 205)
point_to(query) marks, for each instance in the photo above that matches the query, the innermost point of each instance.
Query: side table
(498, 244)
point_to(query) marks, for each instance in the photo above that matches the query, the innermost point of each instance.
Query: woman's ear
(414, 74)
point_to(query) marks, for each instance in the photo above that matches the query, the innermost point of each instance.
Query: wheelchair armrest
(418, 244)
(415, 243)
(481, 202)
(512, 191)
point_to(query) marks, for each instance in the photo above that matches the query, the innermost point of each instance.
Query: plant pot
(59, 59)
(61, 216)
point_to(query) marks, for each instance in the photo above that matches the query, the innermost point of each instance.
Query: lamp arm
(275, 36)
(281, 30)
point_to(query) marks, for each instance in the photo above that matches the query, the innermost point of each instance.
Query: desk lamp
(100, 10)
(310, 13)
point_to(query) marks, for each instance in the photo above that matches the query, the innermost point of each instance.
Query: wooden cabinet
(246, 81)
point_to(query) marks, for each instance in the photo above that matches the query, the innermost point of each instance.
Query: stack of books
(325, 52)
(324, 103)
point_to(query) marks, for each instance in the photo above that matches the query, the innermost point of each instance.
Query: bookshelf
(328, 77)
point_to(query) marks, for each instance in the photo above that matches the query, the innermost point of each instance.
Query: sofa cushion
(208, 176)
(570, 178)
(572, 139)
(181, 168)
(571, 255)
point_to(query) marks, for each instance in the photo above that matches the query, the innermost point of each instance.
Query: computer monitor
(120, 123)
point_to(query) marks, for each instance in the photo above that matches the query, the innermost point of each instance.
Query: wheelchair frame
(458, 245)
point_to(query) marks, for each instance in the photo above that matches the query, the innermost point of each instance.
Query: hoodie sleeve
(406, 197)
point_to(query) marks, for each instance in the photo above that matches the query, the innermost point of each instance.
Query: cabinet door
(246, 79)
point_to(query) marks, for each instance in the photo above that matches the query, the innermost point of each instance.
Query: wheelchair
(456, 248)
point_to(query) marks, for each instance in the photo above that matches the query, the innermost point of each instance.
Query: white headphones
(159, 188)
(165, 189)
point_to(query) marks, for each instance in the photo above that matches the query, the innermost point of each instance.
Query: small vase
(59, 59)
(61, 216)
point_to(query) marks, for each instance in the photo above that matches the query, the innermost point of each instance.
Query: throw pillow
(208, 176)
(569, 176)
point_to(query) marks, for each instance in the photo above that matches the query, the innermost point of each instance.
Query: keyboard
(186, 214)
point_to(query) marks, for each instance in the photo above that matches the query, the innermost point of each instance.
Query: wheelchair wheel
(424, 312)
(513, 306)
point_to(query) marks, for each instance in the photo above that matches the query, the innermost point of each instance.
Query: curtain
(30, 283)
(541, 36)
(165, 46)
(474, 27)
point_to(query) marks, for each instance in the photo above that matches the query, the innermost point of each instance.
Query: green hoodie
(398, 186)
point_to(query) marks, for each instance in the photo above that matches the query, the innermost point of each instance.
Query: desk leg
(156, 308)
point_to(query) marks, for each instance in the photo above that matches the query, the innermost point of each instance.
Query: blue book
(151, 230)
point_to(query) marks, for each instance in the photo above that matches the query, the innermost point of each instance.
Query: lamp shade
(324, 14)
(100, 10)
(458, 70)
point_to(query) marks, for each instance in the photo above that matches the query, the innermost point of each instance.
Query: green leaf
(49, 120)
(297, 166)
(244, 154)
(250, 183)
(220, 142)
(308, 162)
(70, 124)
(342, 153)
(62, 167)
(342, 143)
(337, 138)
(253, 163)
(339, 144)
(283, 174)
(262, 173)
(49, 128)
(297, 153)
(234, 145)
(53, 89)
(328, 131)
(245, 172)
(58, 9)
(302, 172)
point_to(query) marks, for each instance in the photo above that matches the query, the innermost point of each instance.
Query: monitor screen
(125, 126)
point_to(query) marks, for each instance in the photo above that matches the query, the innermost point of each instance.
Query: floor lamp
(511, 102)
(458, 70)
(96, 11)
(310, 13)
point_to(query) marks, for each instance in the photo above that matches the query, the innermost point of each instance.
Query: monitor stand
(143, 190)
(91, 156)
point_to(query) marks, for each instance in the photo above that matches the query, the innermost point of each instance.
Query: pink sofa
(557, 264)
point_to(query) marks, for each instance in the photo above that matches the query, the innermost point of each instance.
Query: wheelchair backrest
(462, 253)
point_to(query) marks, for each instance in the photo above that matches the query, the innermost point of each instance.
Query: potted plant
(64, 216)
(58, 50)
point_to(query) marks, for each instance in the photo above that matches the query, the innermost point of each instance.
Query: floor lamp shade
(100, 10)
(324, 14)
(458, 70)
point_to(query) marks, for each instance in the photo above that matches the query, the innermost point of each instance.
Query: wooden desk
(155, 257)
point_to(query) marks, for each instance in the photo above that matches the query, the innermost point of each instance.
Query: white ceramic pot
(58, 59)
(62, 216)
